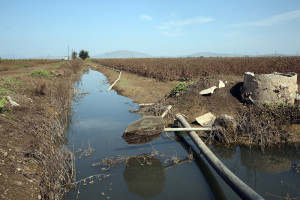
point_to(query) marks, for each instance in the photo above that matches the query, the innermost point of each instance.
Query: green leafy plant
(40, 73)
(179, 87)
(2, 101)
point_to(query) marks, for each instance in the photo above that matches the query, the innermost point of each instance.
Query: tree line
(82, 54)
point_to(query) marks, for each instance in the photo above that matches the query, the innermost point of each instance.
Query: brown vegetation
(168, 69)
(33, 164)
(263, 126)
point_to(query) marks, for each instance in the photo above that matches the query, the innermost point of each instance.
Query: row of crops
(168, 69)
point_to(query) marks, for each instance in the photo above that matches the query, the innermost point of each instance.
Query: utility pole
(68, 53)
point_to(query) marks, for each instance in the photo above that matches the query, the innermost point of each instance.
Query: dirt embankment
(263, 126)
(33, 165)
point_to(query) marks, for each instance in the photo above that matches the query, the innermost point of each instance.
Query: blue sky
(159, 27)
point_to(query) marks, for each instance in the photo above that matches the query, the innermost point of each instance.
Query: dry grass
(34, 132)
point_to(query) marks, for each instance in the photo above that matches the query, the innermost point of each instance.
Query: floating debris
(110, 162)
(175, 159)
(190, 155)
(78, 151)
(87, 152)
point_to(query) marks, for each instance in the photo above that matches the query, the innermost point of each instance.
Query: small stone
(18, 169)
(39, 196)
(5, 154)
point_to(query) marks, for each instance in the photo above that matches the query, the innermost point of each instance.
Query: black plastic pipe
(242, 189)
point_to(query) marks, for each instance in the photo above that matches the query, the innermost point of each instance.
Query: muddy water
(160, 169)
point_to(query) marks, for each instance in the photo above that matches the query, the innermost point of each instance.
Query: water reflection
(270, 161)
(144, 176)
(225, 153)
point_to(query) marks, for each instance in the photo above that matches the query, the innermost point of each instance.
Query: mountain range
(123, 54)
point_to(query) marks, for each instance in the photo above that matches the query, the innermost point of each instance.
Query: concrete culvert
(275, 88)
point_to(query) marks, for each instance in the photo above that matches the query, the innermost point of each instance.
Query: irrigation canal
(109, 168)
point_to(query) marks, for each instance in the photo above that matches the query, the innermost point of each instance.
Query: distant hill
(123, 54)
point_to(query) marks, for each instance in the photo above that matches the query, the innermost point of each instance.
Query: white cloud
(146, 17)
(276, 19)
(196, 20)
(174, 27)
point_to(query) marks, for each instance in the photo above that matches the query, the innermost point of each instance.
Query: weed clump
(262, 124)
(76, 65)
(179, 87)
(40, 73)
(2, 101)
(9, 84)
(41, 87)
(3, 91)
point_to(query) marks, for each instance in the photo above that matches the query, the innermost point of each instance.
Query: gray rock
(206, 119)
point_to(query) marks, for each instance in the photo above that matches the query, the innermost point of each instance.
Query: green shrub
(2, 101)
(179, 87)
(41, 73)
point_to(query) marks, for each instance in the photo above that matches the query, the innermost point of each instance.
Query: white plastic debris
(221, 84)
(208, 90)
(13, 103)
(206, 120)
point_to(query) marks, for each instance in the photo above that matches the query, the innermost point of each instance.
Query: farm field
(30, 133)
(169, 69)
(191, 75)
(11, 64)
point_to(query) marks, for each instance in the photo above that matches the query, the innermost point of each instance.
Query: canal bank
(109, 168)
(32, 162)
